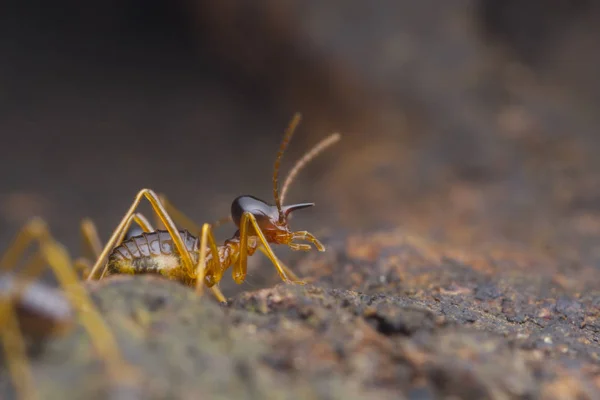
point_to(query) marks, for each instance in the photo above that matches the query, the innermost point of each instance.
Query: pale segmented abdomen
(152, 252)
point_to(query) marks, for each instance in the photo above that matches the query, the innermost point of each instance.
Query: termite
(32, 310)
(198, 260)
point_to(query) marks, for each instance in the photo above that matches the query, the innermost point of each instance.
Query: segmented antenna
(284, 143)
(306, 158)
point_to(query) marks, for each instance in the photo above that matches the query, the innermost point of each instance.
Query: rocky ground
(460, 211)
(383, 315)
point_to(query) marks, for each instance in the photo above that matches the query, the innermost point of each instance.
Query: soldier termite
(36, 311)
(198, 260)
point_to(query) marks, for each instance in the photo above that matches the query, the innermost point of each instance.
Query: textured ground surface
(387, 315)
(461, 210)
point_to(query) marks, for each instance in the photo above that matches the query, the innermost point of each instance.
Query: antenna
(306, 158)
(284, 143)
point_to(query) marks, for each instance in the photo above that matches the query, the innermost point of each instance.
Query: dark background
(469, 121)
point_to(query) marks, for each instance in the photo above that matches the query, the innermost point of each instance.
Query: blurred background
(471, 122)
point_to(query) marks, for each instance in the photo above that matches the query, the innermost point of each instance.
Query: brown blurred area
(471, 122)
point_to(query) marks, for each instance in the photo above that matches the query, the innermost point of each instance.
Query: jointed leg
(83, 267)
(34, 230)
(285, 268)
(93, 245)
(240, 269)
(121, 229)
(91, 240)
(13, 341)
(139, 219)
(101, 337)
(15, 352)
(12, 338)
(207, 239)
(184, 221)
(53, 254)
(304, 235)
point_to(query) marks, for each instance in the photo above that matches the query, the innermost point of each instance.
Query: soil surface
(461, 210)
(383, 315)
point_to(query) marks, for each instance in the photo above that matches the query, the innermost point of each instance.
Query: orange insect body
(198, 260)
(155, 253)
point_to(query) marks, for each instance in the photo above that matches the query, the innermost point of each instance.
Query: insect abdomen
(151, 252)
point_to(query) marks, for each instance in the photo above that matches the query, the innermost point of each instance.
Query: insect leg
(304, 235)
(182, 220)
(15, 352)
(222, 221)
(53, 254)
(82, 266)
(93, 245)
(139, 219)
(185, 222)
(240, 268)
(100, 335)
(34, 229)
(119, 233)
(11, 336)
(147, 227)
(285, 268)
(143, 222)
(207, 240)
(15, 349)
(90, 238)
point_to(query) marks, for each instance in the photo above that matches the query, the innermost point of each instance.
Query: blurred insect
(31, 310)
(194, 261)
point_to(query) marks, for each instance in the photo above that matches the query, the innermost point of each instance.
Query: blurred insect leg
(182, 220)
(139, 219)
(222, 221)
(92, 241)
(90, 238)
(82, 266)
(13, 341)
(100, 335)
(15, 352)
(287, 270)
(121, 228)
(34, 229)
(93, 244)
(186, 222)
(29, 273)
(142, 222)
